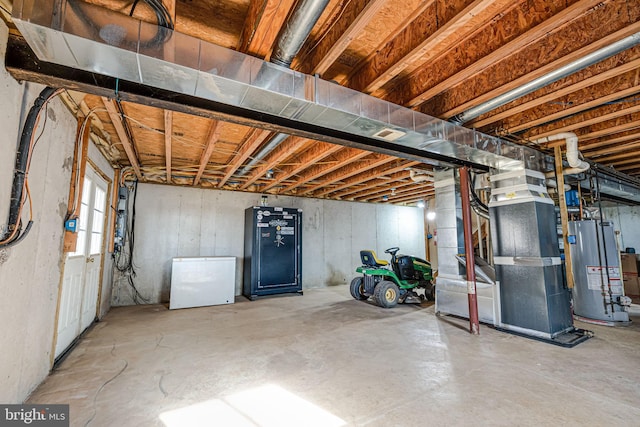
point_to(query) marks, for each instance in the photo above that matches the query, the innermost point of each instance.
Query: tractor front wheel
(357, 289)
(386, 294)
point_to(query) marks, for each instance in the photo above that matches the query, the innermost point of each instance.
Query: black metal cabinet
(272, 251)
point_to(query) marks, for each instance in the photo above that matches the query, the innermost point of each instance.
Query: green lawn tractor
(389, 286)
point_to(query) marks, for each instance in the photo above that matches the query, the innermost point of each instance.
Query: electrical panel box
(272, 251)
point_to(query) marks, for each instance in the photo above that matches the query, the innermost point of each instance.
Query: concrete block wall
(30, 271)
(178, 221)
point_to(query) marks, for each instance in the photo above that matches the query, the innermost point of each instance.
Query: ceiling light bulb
(431, 216)
(421, 204)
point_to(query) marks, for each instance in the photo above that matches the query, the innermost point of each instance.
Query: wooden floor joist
(209, 146)
(312, 156)
(127, 144)
(552, 24)
(440, 57)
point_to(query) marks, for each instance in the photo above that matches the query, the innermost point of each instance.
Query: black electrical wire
(475, 202)
(23, 154)
(163, 17)
(124, 262)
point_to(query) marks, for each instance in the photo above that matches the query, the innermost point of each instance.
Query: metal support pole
(474, 324)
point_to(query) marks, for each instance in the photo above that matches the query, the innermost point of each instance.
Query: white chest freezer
(202, 281)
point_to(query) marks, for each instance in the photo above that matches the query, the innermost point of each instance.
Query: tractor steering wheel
(392, 251)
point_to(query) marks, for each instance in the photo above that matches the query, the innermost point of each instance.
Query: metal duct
(547, 79)
(186, 65)
(273, 143)
(296, 30)
(288, 43)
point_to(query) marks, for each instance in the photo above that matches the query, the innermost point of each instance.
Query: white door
(81, 277)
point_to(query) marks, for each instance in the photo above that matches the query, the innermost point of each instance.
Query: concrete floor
(324, 359)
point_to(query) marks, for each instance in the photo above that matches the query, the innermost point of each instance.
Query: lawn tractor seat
(370, 259)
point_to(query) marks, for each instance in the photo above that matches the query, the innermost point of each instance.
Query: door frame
(98, 171)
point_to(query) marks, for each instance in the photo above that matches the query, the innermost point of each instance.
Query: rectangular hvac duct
(76, 34)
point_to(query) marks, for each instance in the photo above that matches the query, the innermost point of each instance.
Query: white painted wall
(178, 221)
(30, 271)
(626, 220)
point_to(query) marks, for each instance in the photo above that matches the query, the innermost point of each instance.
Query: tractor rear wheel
(386, 294)
(430, 294)
(357, 289)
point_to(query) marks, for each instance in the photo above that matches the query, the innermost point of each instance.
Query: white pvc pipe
(573, 154)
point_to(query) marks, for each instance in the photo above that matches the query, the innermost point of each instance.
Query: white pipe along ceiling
(573, 154)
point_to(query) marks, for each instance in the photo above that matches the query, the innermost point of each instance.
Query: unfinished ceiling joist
(127, 144)
(209, 146)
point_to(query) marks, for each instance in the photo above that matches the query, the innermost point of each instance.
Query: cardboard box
(629, 264)
(632, 286)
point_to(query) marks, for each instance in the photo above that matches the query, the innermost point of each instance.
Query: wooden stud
(564, 216)
(168, 130)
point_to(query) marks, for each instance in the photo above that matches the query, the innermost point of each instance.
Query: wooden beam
(284, 150)
(168, 132)
(382, 187)
(584, 123)
(114, 115)
(572, 111)
(312, 156)
(634, 123)
(600, 143)
(262, 24)
(212, 137)
(350, 170)
(539, 100)
(395, 173)
(253, 140)
(628, 168)
(462, 25)
(611, 150)
(418, 95)
(343, 156)
(414, 196)
(628, 158)
(357, 14)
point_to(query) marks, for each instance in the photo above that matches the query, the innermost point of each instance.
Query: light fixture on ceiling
(385, 198)
(269, 174)
(420, 204)
(431, 215)
(393, 191)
